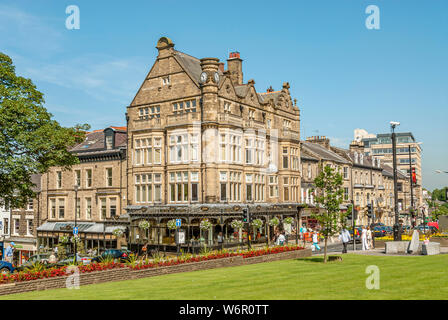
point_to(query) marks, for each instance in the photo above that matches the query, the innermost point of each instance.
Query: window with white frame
(88, 178)
(249, 185)
(250, 149)
(157, 187)
(78, 177)
(29, 227)
(88, 208)
(285, 157)
(194, 178)
(273, 186)
(259, 187)
(234, 186)
(179, 186)
(58, 179)
(179, 145)
(251, 114)
(345, 172)
(109, 177)
(16, 227)
(103, 208)
(143, 188)
(61, 208)
(52, 212)
(286, 124)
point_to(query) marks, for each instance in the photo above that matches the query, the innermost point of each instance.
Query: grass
(413, 277)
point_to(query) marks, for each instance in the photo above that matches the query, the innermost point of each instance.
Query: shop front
(24, 248)
(213, 226)
(93, 235)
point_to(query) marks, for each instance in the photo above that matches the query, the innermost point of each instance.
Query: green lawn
(414, 277)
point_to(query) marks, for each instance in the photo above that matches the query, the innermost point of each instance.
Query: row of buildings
(199, 142)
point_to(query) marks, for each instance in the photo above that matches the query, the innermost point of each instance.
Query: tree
(30, 140)
(329, 196)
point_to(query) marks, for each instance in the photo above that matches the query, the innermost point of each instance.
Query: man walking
(345, 238)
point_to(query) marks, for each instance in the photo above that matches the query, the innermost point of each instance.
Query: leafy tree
(440, 210)
(439, 194)
(30, 140)
(329, 196)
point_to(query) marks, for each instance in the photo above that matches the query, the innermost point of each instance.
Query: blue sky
(343, 75)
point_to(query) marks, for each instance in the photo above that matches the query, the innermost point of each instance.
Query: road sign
(75, 231)
(178, 222)
(180, 237)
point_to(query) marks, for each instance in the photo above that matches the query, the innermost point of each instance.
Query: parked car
(426, 229)
(121, 255)
(41, 257)
(377, 224)
(388, 229)
(80, 258)
(379, 231)
(6, 267)
(357, 233)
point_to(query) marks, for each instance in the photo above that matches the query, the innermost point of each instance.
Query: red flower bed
(62, 271)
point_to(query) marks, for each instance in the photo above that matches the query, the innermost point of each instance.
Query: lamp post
(411, 180)
(76, 187)
(397, 233)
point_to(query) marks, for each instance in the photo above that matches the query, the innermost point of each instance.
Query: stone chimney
(235, 68)
(221, 66)
(357, 146)
(165, 47)
(322, 140)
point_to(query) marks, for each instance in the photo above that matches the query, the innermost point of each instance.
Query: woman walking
(315, 241)
(365, 245)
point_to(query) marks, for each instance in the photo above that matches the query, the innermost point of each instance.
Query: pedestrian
(315, 241)
(9, 252)
(345, 238)
(281, 239)
(365, 245)
(369, 238)
(220, 240)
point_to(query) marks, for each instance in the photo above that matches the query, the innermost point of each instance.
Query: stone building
(201, 140)
(19, 227)
(101, 196)
(409, 154)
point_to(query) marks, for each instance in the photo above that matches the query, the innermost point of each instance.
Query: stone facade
(200, 135)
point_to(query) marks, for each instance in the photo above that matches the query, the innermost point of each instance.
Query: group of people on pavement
(366, 239)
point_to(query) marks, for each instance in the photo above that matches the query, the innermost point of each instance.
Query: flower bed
(140, 265)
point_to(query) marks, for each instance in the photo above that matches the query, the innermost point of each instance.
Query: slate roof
(94, 141)
(192, 66)
(322, 152)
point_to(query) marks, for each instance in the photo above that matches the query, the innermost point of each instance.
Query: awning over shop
(83, 227)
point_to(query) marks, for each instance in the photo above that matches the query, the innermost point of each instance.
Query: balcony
(182, 119)
(255, 124)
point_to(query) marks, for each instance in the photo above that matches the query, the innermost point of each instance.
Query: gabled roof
(322, 152)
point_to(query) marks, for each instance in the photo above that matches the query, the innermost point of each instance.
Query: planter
(443, 241)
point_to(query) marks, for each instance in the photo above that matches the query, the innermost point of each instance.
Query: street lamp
(397, 233)
(76, 187)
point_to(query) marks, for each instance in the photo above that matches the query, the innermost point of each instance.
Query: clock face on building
(216, 77)
(203, 78)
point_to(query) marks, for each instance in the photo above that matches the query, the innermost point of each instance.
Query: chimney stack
(221, 66)
(235, 68)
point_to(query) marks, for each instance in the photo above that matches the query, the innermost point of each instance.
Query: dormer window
(109, 139)
(356, 157)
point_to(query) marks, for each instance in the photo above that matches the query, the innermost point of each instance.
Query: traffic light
(369, 210)
(414, 176)
(246, 215)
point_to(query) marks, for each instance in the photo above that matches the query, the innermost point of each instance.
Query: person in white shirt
(281, 239)
(345, 238)
(365, 245)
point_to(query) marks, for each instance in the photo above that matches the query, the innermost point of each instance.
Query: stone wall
(128, 274)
